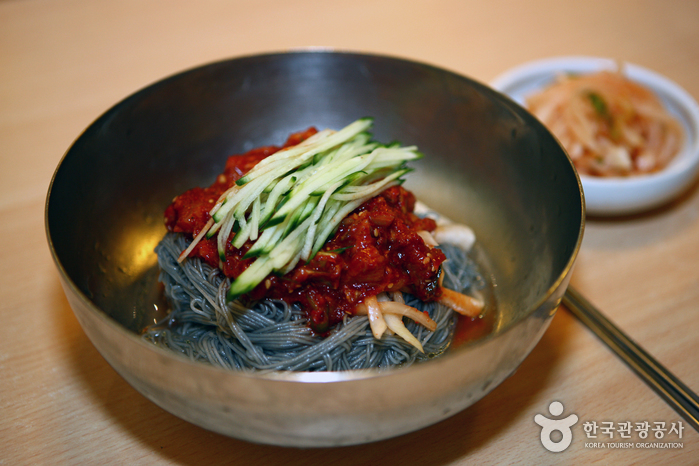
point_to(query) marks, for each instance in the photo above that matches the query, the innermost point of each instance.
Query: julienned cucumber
(290, 203)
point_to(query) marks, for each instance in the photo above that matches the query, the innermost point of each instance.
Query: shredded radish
(387, 317)
(422, 209)
(196, 240)
(376, 318)
(461, 303)
(392, 307)
(396, 324)
(397, 296)
(427, 238)
(610, 125)
(455, 234)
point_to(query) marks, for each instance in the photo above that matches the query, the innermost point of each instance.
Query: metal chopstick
(680, 397)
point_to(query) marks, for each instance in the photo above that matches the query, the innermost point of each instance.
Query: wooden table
(63, 62)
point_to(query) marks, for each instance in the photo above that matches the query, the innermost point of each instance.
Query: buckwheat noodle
(273, 335)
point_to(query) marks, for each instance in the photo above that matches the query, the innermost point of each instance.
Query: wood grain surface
(64, 62)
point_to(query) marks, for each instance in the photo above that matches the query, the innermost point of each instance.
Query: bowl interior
(488, 164)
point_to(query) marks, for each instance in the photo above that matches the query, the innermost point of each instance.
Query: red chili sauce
(375, 249)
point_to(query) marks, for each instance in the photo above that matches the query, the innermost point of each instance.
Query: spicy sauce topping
(376, 248)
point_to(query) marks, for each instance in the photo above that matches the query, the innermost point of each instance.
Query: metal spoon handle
(680, 397)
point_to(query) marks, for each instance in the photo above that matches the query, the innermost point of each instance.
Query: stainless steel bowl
(489, 164)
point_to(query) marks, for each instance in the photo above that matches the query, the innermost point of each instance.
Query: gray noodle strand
(273, 335)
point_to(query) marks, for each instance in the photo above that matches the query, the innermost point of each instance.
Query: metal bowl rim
(304, 376)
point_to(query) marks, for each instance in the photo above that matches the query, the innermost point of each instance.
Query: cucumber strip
(284, 257)
(301, 213)
(247, 193)
(302, 175)
(330, 226)
(274, 239)
(309, 150)
(214, 228)
(226, 227)
(326, 230)
(308, 209)
(242, 199)
(386, 157)
(370, 190)
(227, 207)
(221, 201)
(349, 179)
(255, 219)
(326, 175)
(282, 164)
(271, 241)
(290, 203)
(287, 249)
(379, 165)
(361, 144)
(317, 213)
(240, 220)
(280, 256)
(368, 194)
(292, 263)
(242, 235)
(250, 278)
(249, 228)
(338, 216)
(367, 178)
(282, 156)
(281, 188)
(266, 238)
(294, 150)
(327, 156)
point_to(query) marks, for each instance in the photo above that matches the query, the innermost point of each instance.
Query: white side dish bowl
(620, 195)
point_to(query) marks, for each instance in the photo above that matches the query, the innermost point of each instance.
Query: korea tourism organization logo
(549, 426)
(557, 432)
